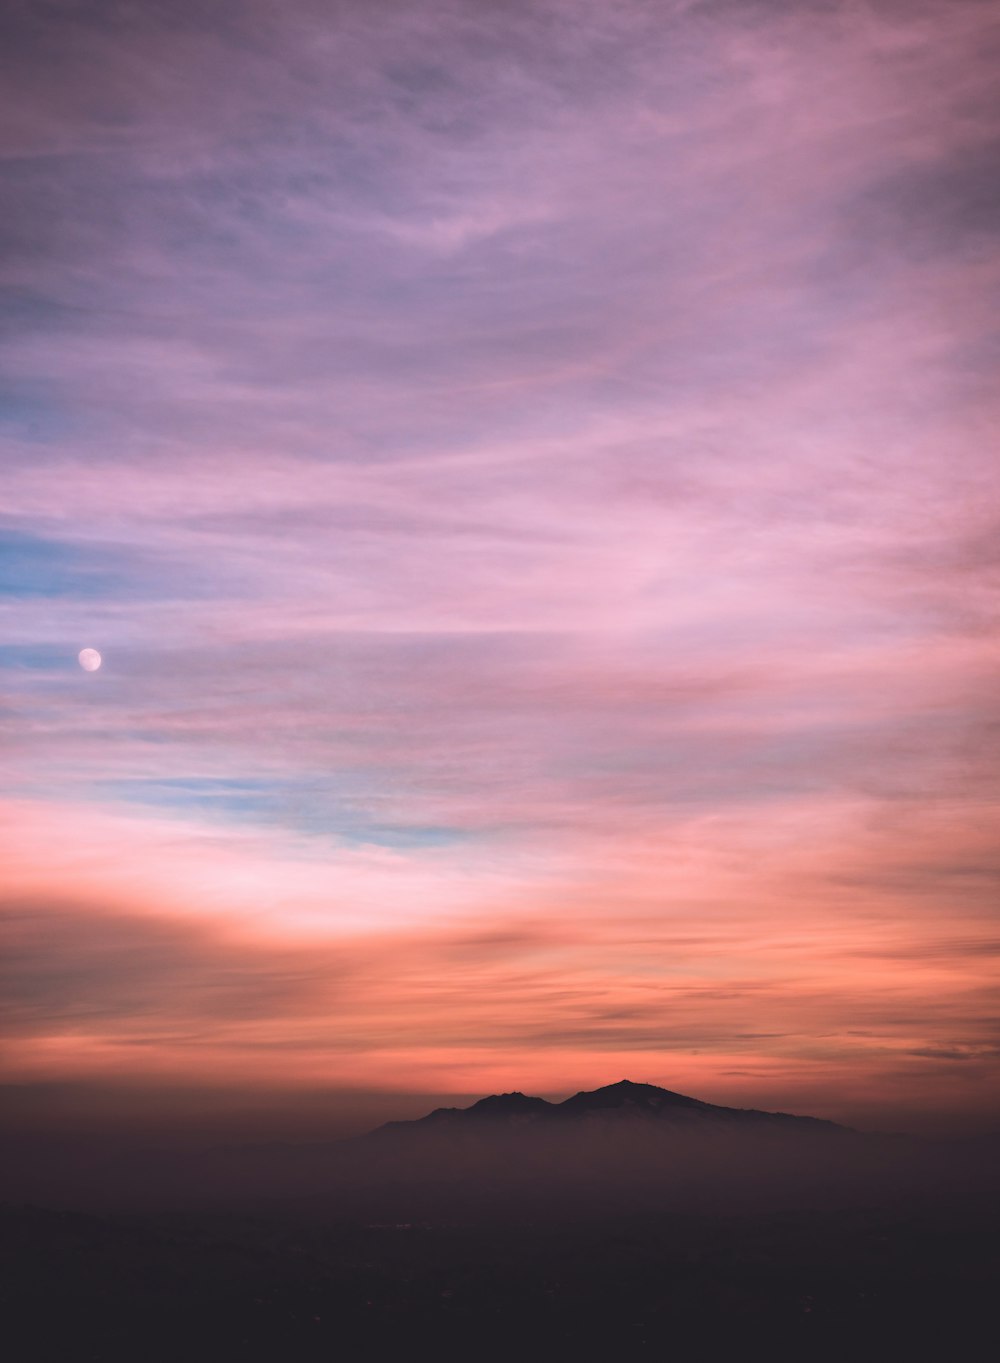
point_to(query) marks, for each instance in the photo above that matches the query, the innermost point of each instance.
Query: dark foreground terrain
(622, 1235)
(875, 1284)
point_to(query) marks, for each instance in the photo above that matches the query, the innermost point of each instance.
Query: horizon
(498, 559)
(131, 1114)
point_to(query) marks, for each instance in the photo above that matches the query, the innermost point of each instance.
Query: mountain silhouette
(614, 1104)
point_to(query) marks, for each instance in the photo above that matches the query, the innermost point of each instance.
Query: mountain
(613, 1105)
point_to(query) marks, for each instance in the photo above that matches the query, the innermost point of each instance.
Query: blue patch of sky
(312, 807)
(38, 567)
(29, 413)
(37, 657)
(33, 566)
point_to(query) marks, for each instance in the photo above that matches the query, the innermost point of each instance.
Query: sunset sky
(530, 471)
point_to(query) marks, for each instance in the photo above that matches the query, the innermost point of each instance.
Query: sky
(530, 472)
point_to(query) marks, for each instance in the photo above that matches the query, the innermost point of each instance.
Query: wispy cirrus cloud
(523, 463)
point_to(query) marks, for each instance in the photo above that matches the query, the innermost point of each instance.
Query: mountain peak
(627, 1094)
(508, 1105)
(625, 1101)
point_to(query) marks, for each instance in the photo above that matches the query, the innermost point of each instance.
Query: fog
(581, 1170)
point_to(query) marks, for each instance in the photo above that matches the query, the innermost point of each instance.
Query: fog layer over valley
(624, 1147)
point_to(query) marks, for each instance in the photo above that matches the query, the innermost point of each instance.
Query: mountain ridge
(624, 1101)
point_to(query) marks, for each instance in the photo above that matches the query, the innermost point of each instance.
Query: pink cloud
(529, 475)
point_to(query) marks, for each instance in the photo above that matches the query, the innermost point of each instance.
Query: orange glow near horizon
(672, 960)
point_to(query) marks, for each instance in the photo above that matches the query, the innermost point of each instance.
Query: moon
(89, 659)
